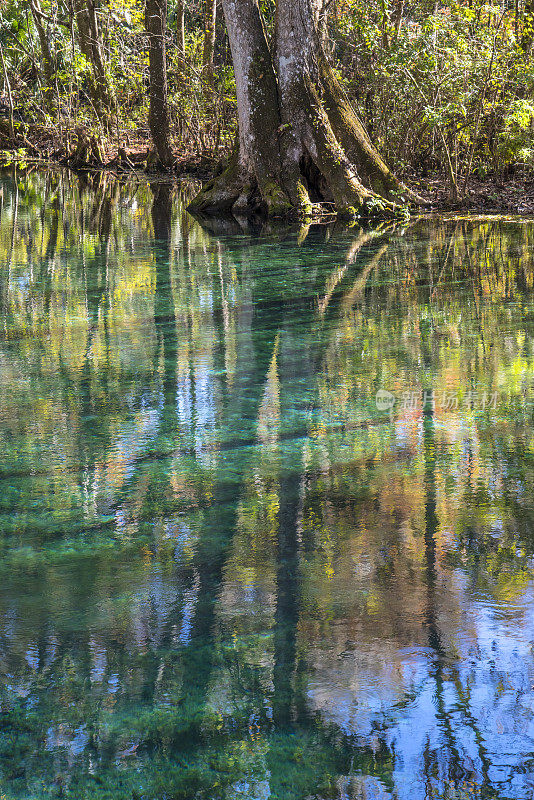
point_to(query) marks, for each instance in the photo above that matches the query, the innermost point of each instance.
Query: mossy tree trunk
(158, 116)
(254, 171)
(300, 141)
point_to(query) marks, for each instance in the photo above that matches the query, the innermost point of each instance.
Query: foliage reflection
(225, 571)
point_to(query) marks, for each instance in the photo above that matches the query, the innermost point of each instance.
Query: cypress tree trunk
(158, 117)
(300, 141)
(253, 175)
(90, 42)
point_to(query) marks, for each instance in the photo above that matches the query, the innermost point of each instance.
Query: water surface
(266, 515)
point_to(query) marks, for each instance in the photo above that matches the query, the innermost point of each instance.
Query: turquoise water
(266, 516)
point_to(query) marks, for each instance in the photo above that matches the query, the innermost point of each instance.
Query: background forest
(444, 88)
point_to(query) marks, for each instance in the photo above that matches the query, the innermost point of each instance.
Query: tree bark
(158, 118)
(47, 61)
(210, 21)
(322, 12)
(300, 141)
(252, 177)
(397, 16)
(90, 42)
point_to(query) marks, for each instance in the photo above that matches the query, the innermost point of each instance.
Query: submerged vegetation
(444, 89)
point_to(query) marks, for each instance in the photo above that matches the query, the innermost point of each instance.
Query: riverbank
(87, 153)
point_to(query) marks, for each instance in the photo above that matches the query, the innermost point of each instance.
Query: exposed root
(88, 151)
(223, 191)
(277, 202)
(351, 197)
(236, 191)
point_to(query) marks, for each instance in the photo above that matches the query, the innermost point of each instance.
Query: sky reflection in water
(227, 570)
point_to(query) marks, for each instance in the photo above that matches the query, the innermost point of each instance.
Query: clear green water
(225, 572)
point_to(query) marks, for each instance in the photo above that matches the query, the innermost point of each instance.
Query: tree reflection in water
(225, 572)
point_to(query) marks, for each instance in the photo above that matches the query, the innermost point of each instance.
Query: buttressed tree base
(300, 141)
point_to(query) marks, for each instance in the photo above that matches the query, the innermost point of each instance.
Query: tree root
(88, 152)
(236, 191)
